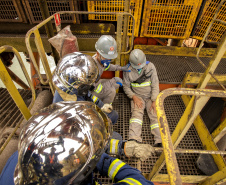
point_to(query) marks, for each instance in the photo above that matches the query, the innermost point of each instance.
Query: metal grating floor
(10, 115)
(174, 108)
(172, 69)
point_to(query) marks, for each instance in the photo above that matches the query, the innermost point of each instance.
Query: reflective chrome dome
(63, 141)
(73, 71)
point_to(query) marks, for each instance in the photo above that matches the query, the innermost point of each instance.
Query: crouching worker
(73, 79)
(79, 132)
(105, 89)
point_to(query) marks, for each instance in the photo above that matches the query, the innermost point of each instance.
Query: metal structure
(190, 116)
(169, 19)
(6, 79)
(11, 11)
(41, 50)
(209, 11)
(169, 143)
(33, 10)
(135, 8)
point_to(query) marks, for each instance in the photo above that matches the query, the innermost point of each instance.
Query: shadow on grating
(174, 109)
(173, 68)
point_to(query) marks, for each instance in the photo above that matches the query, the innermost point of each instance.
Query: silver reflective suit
(147, 92)
(63, 141)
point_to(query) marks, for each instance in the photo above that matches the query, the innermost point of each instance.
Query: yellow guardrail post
(170, 143)
(6, 79)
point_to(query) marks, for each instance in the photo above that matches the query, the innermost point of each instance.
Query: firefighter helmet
(63, 142)
(75, 72)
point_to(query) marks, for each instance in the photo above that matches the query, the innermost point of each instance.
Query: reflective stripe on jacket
(148, 89)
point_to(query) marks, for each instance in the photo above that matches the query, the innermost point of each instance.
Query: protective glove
(125, 68)
(107, 108)
(142, 151)
(118, 81)
(120, 84)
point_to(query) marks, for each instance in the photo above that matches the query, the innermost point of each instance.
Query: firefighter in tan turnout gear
(141, 85)
(106, 47)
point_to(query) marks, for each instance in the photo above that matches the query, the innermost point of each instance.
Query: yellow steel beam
(205, 136)
(119, 40)
(13, 91)
(182, 127)
(125, 31)
(215, 178)
(7, 48)
(195, 151)
(219, 132)
(194, 78)
(192, 110)
(6, 79)
(176, 51)
(41, 51)
(185, 178)
(215, 60)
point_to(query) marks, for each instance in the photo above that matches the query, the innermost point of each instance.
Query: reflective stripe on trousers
(156, 125)
(136, 121)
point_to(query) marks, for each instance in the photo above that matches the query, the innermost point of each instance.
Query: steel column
(119, 41)
(125, 31)
(44, 60)
(49, 28)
